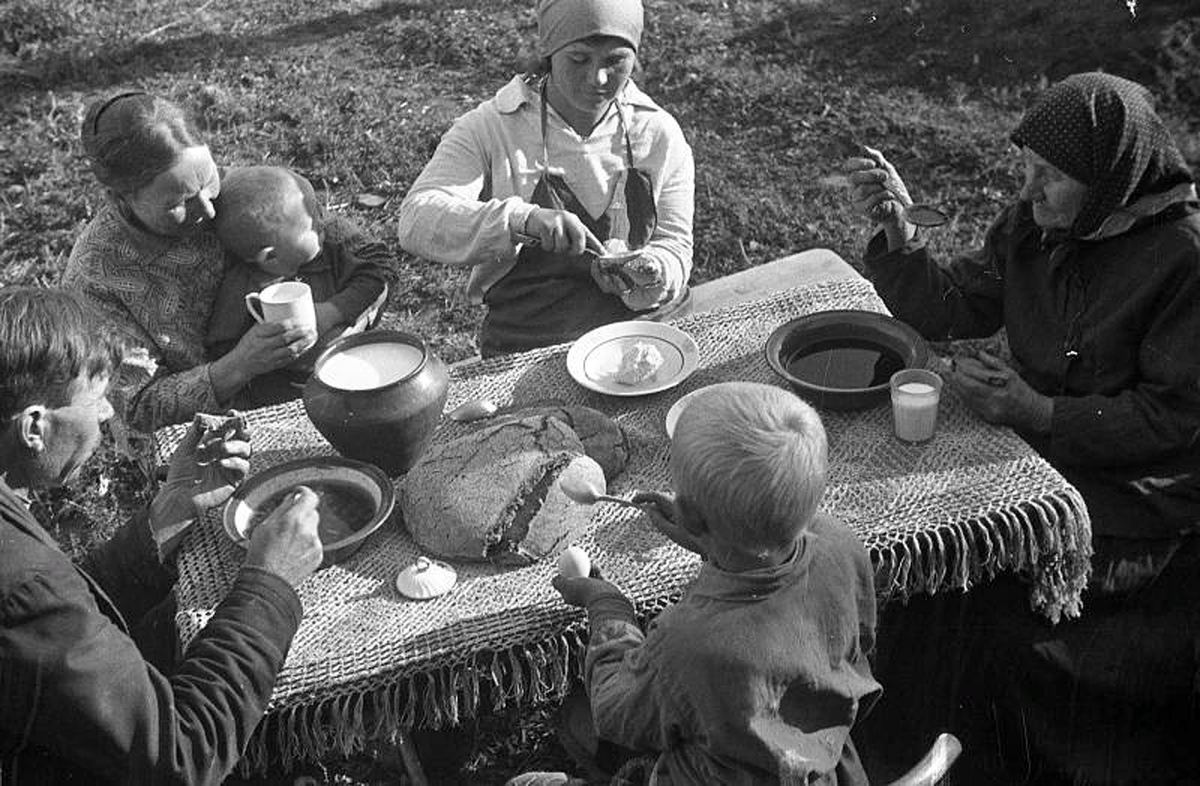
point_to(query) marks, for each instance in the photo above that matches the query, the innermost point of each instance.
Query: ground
(354, 94)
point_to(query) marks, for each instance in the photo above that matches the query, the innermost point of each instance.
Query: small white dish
(677, 408)
(595, 357)
(425, 579)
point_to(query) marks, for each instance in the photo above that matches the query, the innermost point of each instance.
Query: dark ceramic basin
(843, 359)
(355, 499)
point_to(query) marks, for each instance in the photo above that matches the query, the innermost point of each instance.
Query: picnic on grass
(914, 518)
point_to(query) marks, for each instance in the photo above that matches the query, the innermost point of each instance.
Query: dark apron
(550, 298)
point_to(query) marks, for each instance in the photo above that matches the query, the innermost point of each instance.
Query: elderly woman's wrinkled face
(588, 74)
(180, 199)
(1056, 197)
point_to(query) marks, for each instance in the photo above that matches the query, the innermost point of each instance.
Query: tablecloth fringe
(345, 725)
(1028, 539)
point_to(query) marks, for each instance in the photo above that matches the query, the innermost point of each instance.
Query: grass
(354, 94)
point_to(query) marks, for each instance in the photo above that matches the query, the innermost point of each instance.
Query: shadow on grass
(999, 44)
(131, 60)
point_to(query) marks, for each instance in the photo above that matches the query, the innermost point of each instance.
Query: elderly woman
(150, 263)
(1095, 276)
(563, 162)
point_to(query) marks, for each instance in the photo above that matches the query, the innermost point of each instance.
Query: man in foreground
(90, 685)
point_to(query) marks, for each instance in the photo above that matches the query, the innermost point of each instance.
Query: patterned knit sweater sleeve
(157, 293)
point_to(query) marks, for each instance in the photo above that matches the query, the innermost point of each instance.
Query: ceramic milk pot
(377, 397)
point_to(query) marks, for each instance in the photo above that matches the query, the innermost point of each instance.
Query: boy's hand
(583, 591)
(660, 508)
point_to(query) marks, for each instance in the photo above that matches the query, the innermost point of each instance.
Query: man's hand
(998, 394)
(212, 459)
(286, 542)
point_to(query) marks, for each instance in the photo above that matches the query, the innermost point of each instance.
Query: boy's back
(754, 676)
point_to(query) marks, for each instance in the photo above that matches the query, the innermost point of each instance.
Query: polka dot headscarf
(1102, 130)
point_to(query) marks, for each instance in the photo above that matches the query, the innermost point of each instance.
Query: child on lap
(758, 673)
(273, 229)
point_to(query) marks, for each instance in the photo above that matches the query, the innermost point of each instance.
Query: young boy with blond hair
(273, 229)
(759, 672)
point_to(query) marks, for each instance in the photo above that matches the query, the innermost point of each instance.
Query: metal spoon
(918, 214)
(925, 215)
(585, 493)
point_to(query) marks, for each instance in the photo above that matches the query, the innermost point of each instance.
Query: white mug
(286, 301)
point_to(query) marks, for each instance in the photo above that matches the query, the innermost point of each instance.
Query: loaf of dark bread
(602, 437)
(494, 494)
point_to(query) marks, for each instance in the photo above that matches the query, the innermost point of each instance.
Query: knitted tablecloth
(366, 662)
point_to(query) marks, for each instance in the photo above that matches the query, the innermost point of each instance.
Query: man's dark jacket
(79, 702)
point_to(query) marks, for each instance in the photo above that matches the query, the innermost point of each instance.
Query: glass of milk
(915, 396)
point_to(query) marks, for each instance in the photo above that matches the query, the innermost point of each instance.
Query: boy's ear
(690, 517)
(265, 254)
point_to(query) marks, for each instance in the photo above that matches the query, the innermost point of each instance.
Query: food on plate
(640, 362)
(343, 509)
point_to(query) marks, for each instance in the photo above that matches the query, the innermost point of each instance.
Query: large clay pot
(377, 397)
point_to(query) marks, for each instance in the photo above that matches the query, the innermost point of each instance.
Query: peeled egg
(573, 563)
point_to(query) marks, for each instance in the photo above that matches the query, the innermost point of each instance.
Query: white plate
(677, 407)
(595, 357)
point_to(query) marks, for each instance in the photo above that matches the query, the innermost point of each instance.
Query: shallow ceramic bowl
(355, 499)
(869, 347)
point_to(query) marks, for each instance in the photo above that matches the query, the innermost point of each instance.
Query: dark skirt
(1110, 698)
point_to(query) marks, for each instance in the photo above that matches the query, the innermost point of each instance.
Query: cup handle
(254, 306)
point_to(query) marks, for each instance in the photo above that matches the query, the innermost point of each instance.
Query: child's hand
(585, 590)
(656, 503)
(660, 508)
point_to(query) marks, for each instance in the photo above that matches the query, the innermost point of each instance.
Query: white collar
(517, 93)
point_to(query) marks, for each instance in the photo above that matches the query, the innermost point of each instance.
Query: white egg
(574, 562)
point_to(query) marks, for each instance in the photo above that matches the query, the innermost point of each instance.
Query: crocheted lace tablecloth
(366, 662)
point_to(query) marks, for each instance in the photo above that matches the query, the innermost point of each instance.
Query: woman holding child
(150, 262)
(1095, 275)
(563, 162)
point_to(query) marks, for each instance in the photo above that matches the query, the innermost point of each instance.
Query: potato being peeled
(615, 245)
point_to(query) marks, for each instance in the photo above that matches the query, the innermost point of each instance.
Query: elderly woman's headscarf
(561, 22)
(1103, 131)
